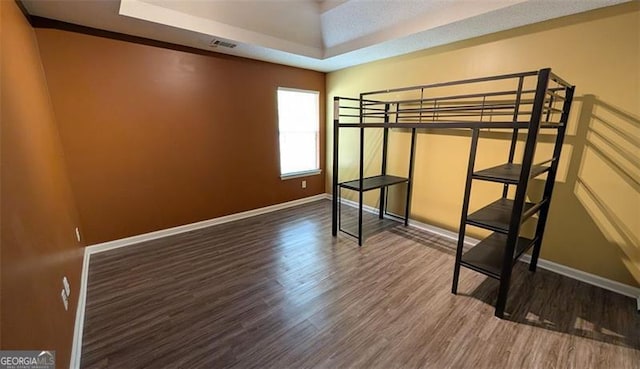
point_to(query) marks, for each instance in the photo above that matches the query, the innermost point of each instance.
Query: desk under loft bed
(528, 101)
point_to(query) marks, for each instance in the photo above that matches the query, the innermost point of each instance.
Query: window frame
(302, 173)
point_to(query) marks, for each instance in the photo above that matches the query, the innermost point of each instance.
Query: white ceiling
(323, 35)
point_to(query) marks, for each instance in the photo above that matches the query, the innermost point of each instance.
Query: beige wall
(38, 243)
(594, 221)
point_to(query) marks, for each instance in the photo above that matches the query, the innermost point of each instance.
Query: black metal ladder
(495, 255)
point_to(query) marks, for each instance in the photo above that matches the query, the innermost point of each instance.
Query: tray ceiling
(321, 35)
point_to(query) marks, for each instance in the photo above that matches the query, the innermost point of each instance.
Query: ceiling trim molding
(169, 17)
(24, 11)
(48, 23)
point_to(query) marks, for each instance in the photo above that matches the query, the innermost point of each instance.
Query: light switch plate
(65, 299)
(67, 288)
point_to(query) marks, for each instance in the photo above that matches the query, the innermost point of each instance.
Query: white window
(299, 124)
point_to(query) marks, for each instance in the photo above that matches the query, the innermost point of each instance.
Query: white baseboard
(592, 279)
(76, 349)
(101, 247)
(413, 223)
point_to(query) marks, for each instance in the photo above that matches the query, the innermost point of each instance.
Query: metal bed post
(551, 177)
(396, 114)
(412, 152)
(514, 136)
(361, 176)
(465, 207)
(383, 171)
(521, 190)
(336, 128)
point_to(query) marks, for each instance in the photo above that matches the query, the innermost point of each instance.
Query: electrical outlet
(304, 184)
(65, 299)
(78, 234)
(67, 287)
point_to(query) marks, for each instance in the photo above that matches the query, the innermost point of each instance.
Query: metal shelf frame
(528, 101)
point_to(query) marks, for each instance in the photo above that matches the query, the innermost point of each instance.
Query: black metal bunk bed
(528, 101)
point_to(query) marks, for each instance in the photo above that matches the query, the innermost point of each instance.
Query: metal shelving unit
(377, 110)
(523, 102)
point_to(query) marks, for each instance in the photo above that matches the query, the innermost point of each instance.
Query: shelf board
(488, 255)
(370, 183)
(508, 173)
(497, 215)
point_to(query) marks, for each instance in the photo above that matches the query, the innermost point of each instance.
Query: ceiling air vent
(222, 43)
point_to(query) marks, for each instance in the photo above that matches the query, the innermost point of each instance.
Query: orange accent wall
(38, 213)
(156, 138)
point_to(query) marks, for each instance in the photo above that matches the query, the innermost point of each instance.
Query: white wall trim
(413, 223)
(592, 279)
(101, 247)
(76, 349)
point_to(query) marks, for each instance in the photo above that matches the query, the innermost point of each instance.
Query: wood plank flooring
(277, 291)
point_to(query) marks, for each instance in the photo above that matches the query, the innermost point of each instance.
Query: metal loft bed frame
(528, 101)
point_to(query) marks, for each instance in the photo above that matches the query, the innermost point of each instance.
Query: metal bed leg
(383, 204)
(361, 195)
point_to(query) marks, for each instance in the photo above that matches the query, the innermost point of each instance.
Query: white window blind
(298, 122)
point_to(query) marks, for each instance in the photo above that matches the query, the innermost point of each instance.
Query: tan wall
(594, 221)
(38, 244)
(155, 138)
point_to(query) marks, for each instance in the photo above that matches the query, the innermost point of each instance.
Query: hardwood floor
(277, 291)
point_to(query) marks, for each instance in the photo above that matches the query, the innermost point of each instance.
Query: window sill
(306, 173)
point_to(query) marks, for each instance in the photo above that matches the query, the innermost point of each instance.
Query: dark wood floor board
(277, 291)
(346, 332)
